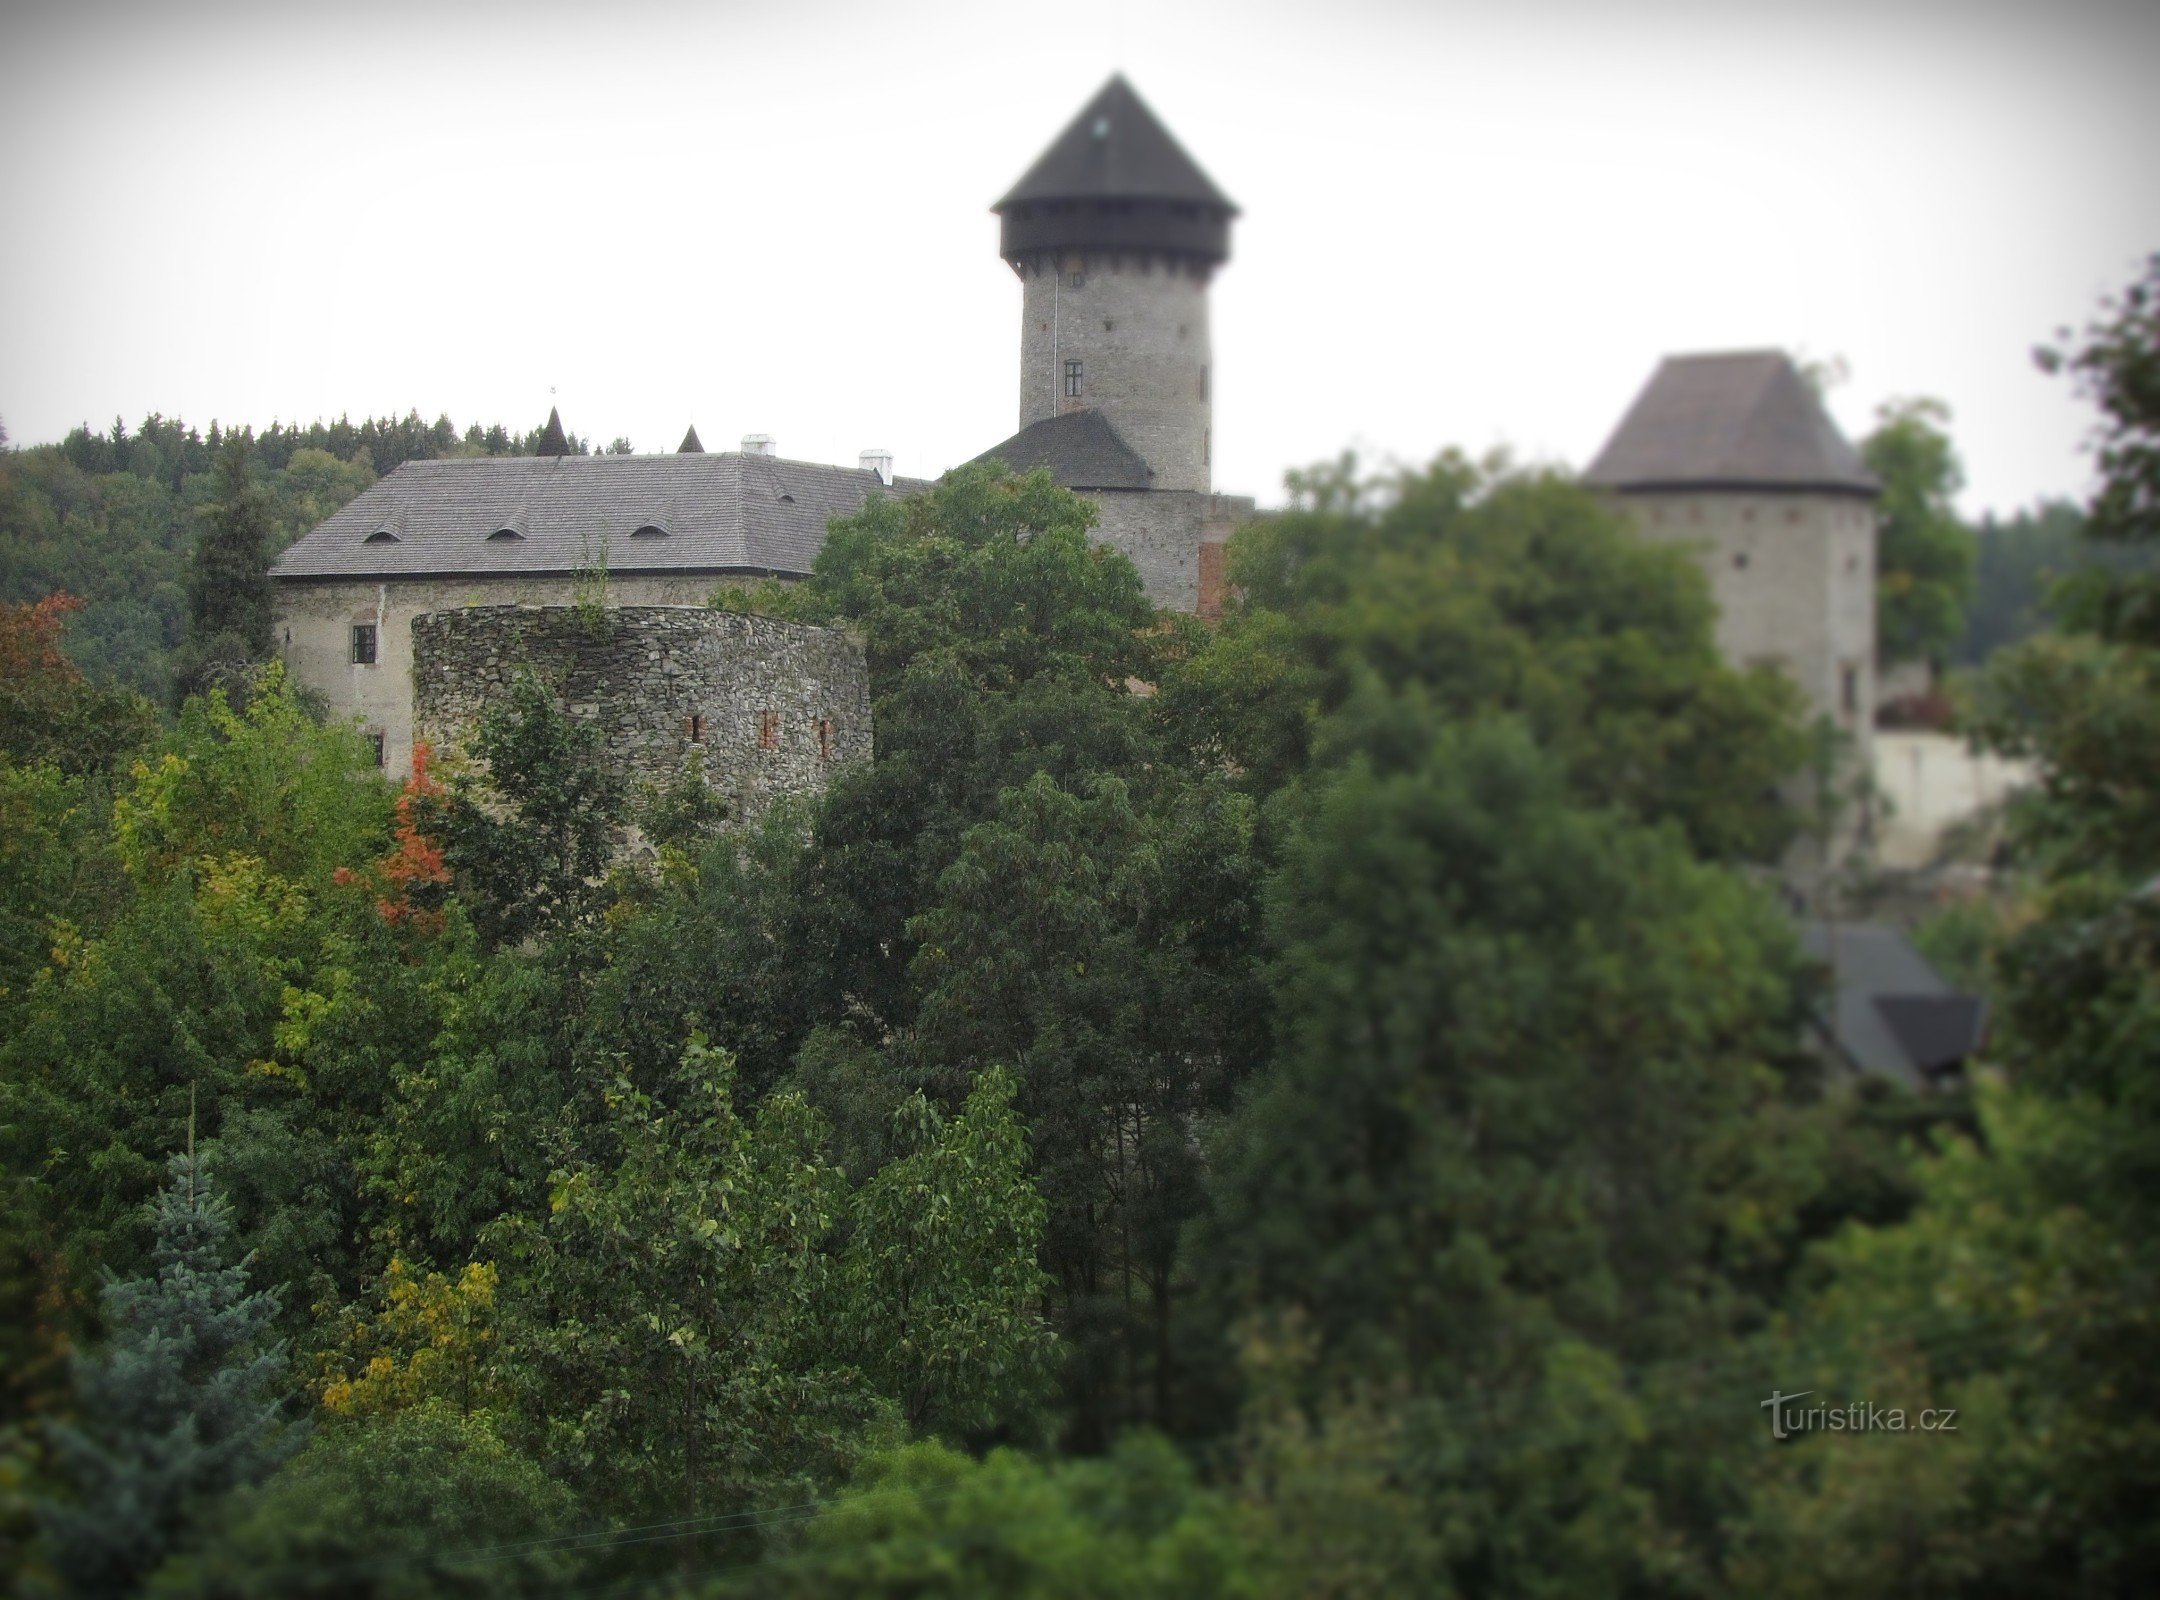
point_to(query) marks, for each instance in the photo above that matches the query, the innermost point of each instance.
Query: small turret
(553, 441)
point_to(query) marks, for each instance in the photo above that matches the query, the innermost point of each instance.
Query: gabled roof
(1116, 149)
(721, 513)
(1078, 448)
(1890, 1012)
(1741, 420)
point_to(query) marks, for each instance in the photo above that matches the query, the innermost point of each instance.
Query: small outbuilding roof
(1080, 449)
(509, 515)
(1889, 1012)
(1740, 420)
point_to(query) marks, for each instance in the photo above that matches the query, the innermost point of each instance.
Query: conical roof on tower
(553, 441)
(691, 445)
(1742, 419)
(1116, 179)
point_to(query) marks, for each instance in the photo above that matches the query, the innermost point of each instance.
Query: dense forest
(111, 518)
(1335, 1123)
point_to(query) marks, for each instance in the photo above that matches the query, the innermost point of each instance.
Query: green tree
(1484, 590)
(420, 1503)
(2021, 1291)
(939, 1277)
(1924, 561)
(530, 838)
(181, 1407)
(230, 601)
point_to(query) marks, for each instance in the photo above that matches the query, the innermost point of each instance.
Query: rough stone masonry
(768, 707)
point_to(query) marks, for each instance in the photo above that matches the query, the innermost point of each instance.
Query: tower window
(363, 644)
(1072, 380)
(375, 743)
(768, 732)
(1849, 688)
(696, 728)
(1207, 446)
(824, 738)
(1203, 381)
(1074, 280)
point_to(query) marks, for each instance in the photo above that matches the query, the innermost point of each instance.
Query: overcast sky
(1469, 224)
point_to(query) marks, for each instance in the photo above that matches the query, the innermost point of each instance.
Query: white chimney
(757, 444)
(879, 462)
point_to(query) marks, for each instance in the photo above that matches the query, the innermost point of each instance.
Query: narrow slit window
(375, 743)
(696, 729)
(824, 738)
(363, 644)
(1849, 688)
(768, 730)
(1072, 380)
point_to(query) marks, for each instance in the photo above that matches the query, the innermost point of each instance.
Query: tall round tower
(1114, 234)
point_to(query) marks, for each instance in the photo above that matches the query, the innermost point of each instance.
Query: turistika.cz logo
(1788, 1417)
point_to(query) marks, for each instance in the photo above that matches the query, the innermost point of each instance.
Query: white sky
(1467, 224)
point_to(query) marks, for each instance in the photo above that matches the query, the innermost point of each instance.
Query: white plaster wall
(1932, 782)
(1138, 327)
(315, 621)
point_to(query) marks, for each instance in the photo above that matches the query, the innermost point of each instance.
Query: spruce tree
(182, 1405)
(229, 596)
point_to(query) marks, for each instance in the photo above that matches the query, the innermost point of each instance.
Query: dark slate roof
(1116, 149)
(1937, 1031)
(1744, 420)
(552, 440)
(1890, 1012)
(691, 444)
(721, 513)
(1079, 448)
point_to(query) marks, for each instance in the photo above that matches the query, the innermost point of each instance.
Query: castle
(392, 611)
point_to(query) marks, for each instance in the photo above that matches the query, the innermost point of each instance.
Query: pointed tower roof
(1116, 149)
(1115, 179)
(553, 441)
(691, 445)
(1742, 419)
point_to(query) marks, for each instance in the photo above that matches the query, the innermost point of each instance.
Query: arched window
(504, 533)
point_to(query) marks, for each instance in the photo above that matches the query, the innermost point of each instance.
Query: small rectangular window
(375, 742)
(696, 729)
(1849, 688)
(363, 644)
(1074, 280)
(824, 738)
(768, 732)
(1207, 447)
(1072, 380)
(1203, 381)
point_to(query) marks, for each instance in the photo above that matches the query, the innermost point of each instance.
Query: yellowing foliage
(431, 1339)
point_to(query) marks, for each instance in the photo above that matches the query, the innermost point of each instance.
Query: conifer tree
(229, 595)
(181, 1406)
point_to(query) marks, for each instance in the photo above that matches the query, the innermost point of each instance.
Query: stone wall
(1163, 534)
(769, 707)
(1793, 575)
(316, 618)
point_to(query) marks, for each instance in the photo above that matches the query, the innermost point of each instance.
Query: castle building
(1114, 232)
(1733, 457)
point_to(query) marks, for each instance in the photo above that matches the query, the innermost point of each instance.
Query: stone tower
(1732, 456)
(1114, 234)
